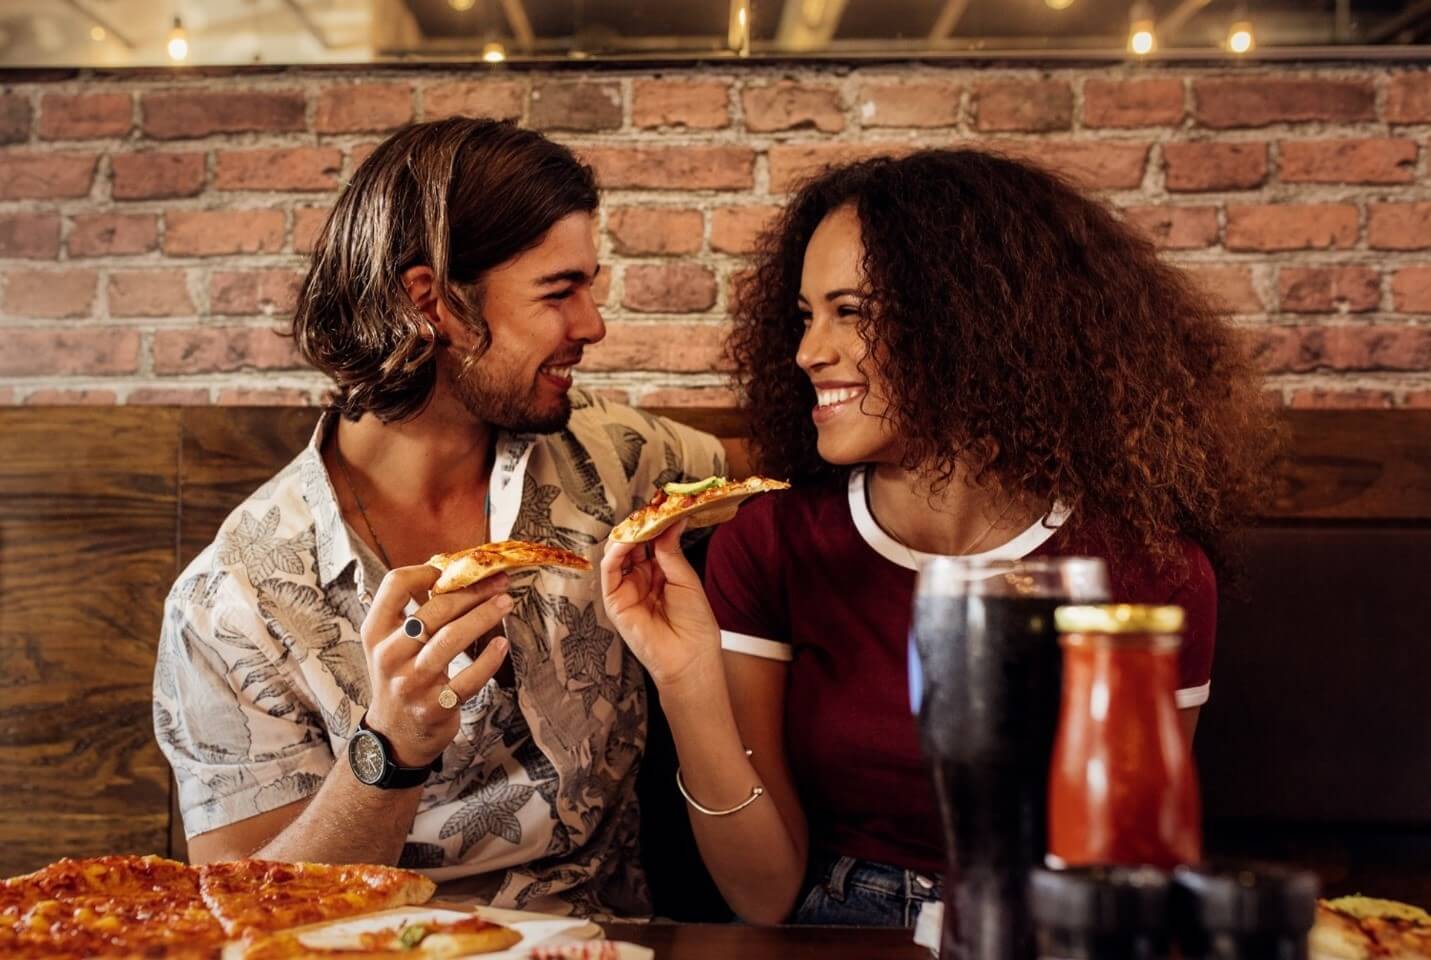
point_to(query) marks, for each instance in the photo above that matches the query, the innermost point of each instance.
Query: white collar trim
(895, 552)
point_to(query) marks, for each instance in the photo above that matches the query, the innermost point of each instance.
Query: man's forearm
(347, 822)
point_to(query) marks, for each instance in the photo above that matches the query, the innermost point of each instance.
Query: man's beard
(505, 403)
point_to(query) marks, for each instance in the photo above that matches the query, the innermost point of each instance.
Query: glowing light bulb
(1240, 38)
(97, 34)
(1141, 39)
(178, 45)
(461, 6)
(494, 53)
(1058, 4)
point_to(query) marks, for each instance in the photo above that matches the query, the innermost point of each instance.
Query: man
(314, 703)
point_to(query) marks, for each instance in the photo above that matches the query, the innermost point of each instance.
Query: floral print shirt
(260, 678)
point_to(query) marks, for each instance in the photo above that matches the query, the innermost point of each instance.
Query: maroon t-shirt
(808, 576)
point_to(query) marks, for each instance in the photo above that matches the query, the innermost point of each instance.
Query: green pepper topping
(695, 486)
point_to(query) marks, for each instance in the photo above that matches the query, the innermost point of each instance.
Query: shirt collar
(335, 548)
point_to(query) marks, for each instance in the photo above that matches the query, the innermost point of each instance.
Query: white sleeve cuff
(1194, 696)
(755, 646)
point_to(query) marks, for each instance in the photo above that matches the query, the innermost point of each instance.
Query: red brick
(206, 233)
(46, 176)
(791, 163)
(112, 234)
(1306, 226)
(1259, 100)
(1093, 165)
(157, 176)
(688, 397)
(223, 350)
(149, 293)
(56, 397)
(1338, 398)
(601, 287)
(1348, 347)
(736, 229)
(265, 397)
(674, 347)
(669, 288)
(69, 352)
(254, 291)
(169, 396)
(293, 168)
(1418, 399)
(694, 104)
(49, 293)
(14, 118)
(1411, 289)
(1398, 226)
(673, 168)
(1214, 166)
(791, 106)
(1347, 161)
(7, 396)
(658, 230)
(84, 116)
(934, 104)
(575, 105)
(1154, 102)
(29, 236)
(1408, 98)
(497, 99)
(1176, 228)
(1351, 289)
(1230, 288)
(363, 107)
(307, 225)
(1033, 106)
(181, 114)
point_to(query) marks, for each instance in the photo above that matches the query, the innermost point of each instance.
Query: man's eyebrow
(568, 276)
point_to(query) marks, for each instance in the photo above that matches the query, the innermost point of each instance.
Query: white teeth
(560, 372)
(828, 398)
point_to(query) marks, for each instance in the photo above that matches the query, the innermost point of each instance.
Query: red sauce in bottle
(1122, 786)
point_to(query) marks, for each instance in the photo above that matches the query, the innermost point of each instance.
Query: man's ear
(422, 291)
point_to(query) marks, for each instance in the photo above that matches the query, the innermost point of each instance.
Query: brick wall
(153, 227)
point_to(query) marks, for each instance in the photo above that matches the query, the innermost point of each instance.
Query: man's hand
(407, 675)
(658, 604)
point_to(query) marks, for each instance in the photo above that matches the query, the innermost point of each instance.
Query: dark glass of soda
(987, 686)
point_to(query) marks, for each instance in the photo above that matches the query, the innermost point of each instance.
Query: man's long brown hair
(1019, 328)
(460, 196)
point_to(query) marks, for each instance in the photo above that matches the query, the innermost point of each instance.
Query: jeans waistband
(838, 873)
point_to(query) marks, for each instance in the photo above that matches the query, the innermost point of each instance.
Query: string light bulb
(494, 53)
(1240, 38)
(97, 34)
(1142, 32)
(178, 45)
(1058, 4)
(461, 6)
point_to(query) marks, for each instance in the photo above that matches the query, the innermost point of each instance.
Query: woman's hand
(408, 675)
(659, 605)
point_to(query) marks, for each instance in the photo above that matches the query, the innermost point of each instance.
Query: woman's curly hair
(1021, 329)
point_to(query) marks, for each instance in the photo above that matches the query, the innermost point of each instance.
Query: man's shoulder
(633, 435)
(597, 416)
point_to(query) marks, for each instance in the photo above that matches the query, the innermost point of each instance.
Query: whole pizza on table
(126, 906)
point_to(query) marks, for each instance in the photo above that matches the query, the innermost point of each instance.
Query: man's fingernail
(500, 645)
(504, 602)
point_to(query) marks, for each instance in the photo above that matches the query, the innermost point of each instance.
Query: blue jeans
(843, 891)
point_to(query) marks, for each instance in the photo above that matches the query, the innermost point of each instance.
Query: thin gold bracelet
(756, 792)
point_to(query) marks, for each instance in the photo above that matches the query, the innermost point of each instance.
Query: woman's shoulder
(770, 522)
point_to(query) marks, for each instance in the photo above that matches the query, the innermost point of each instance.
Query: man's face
(540, 314)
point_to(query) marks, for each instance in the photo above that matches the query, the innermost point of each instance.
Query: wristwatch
(371, 757)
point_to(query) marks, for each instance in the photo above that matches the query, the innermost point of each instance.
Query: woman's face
(849, 397)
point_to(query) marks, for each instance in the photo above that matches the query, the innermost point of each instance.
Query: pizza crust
(704, 509)
(466, 567)
(1365, 928)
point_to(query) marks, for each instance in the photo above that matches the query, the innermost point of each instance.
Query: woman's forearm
(755, 856)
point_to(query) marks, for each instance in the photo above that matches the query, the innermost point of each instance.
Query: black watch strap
(396, 777)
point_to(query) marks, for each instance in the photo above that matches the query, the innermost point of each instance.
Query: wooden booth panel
(87, 523)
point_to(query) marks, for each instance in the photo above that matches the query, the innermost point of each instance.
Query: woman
(950, 353)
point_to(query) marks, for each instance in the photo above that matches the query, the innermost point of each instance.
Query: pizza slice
(1363, 928)
(466, 567)
(263, 896)
(703, 503)
(414, 940)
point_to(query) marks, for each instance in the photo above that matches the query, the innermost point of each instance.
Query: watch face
(365, 755)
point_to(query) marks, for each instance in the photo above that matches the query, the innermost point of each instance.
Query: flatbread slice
(704, 503)
(261, 896)
(466, 567)
(420, 940)
(1367, 928)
